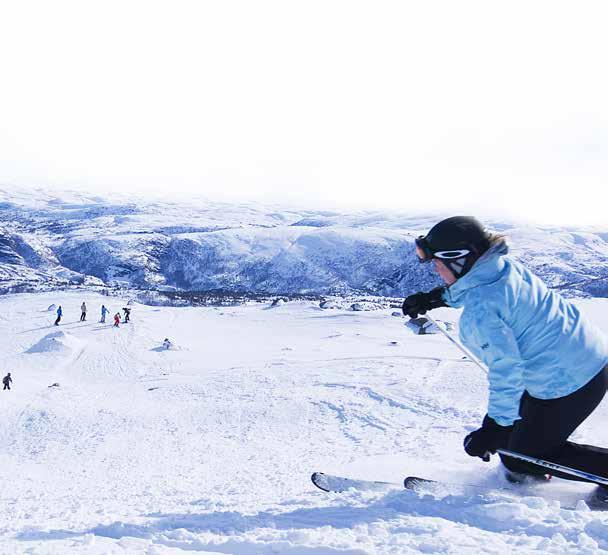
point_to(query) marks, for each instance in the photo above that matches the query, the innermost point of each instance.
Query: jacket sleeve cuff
(505, 420)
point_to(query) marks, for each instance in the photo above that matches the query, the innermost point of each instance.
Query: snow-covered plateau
(111, 443)
(50, 240)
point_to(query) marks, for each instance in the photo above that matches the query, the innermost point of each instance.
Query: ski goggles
(426, 253)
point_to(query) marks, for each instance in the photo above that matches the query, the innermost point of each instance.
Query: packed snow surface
(209, 448)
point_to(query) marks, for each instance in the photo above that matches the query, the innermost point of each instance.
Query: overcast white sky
(465, 106)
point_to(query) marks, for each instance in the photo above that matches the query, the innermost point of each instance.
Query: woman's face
(446, 274)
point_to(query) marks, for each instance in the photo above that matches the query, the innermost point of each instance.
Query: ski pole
(457, 343)
(554, 466)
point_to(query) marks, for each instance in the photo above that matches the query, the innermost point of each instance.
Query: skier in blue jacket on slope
(59, 315)
(548, 366)
(104, 311)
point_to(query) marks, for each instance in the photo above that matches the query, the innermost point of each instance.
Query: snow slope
(208, 448)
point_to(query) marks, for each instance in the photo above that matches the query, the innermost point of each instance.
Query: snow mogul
(547, 364)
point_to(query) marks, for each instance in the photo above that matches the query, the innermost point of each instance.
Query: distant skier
(167, 343)
(104, 311)
(83, 312)
(127, 312)
(117, 320)
(7, 380)
(59, 315)
(547, 364)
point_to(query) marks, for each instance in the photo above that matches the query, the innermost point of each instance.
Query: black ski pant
(546, 425)
(58, 320)
(83, 316)
(6, 386)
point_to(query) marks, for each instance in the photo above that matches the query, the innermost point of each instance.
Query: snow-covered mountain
(50, 240)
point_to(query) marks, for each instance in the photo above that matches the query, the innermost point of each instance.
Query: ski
(438, 488)
(416, 483)
(339, 484)
(426, 485)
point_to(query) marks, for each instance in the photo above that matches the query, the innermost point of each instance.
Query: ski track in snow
(208, 448)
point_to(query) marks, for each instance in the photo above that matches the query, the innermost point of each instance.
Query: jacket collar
(487, 269)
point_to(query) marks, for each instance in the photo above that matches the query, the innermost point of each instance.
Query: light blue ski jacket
(529, 337)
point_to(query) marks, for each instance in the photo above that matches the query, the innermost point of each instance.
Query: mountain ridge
(58, 239)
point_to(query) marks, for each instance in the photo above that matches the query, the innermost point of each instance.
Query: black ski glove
(487, 439)
(419, 303)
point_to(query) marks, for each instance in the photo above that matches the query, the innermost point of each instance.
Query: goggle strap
(457, 266)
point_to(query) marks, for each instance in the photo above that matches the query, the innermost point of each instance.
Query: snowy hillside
(208, 447)
(49, 240)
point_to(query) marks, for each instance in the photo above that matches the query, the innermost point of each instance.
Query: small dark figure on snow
(104, 311)
(7, 380)
(59, 315)
(83, 310)
(127, 312)
(167, 343)
(117, 320)
(548, 365)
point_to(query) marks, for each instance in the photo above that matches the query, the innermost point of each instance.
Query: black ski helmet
(458, 241)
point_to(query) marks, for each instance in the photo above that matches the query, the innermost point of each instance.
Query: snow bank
(423, 326)
(57, 342)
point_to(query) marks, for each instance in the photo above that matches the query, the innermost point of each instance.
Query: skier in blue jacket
(59, 315)
(547, 363)
(104, 311)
